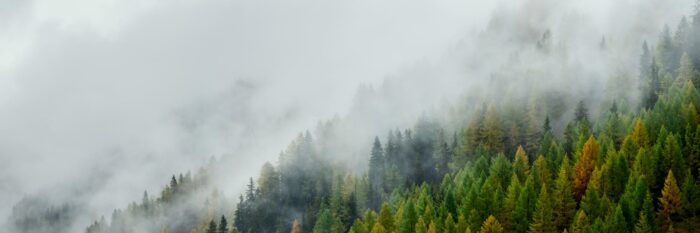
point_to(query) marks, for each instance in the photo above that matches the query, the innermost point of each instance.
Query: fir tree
(386, 218)
(584, 166)
(491, 225)
(669, 202)
(212, 227)
(408, 218)
(564, 204)
(543, 218)
(223, 225)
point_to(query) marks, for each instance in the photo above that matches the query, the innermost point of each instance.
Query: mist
(102, 100)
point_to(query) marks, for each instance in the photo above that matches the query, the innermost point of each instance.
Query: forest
(508, 165)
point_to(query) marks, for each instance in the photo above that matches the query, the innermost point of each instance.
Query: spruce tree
(525, 206)
(223, 225)
(510, 203)
(378, 228)
(491, 225)
(212, 227)
(521, 166)
(386, 218)
(616, 223)
(543, 218)
(643, 225)
(584, 166)
(376, 175)
(669, 202)
(408, 218)
(564, 204)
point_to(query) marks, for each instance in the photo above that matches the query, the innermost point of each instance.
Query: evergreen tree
(461, 224)
(386, 218)
(326, 223)
(491, 225)
(223, 225)
(584, 166)
(564, 204)
(408, 218)
(212, 227)
(521, 166)
(491, 131)
(669, 202)
(525, 207)
(643, 225)
(690, 196)
(543, 218)
(449, 226)
(616, 223)
(510, 203)
(375, 174)
(581, 112)
(421, 227)
(432, 228)
(581, 222)
(378, 228)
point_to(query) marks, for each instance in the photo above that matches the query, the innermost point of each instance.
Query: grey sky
(117, 95)
(120, 94)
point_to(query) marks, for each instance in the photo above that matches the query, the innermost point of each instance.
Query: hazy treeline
(624, 169)
(540, 144)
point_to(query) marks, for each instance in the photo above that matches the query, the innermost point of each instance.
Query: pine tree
(648, 211)
(378, 228)
(564, 204)
(500, 170)
(510, 203)
(223, 225)
(673, 157)
(408, 218)
(581, 112)
(540, 173)
(491, 225)
(421, 227)
(525, 207)
(212, 227)
(643, 225)
(591, 202)
(326, 223)
(686, 71)
(690, 196)
(386, 218)
(584, 167)
(269, 180)
(616, 223)
(462, 225)
(669, 202)
(376, 174)
(521, 166)
(432, 228)
(491, 131)
(449, 226)
(543, 218)
(580, 223)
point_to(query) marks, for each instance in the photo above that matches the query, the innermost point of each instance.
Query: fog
(100, 100)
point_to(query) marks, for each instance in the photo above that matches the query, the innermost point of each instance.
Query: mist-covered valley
(312, 116)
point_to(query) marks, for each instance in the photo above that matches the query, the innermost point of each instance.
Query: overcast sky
(102, 99)
(120, 94)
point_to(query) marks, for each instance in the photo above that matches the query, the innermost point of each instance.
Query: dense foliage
(624, 169)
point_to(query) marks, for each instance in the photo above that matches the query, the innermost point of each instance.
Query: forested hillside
(620, 166)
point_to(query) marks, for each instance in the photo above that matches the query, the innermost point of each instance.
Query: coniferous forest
(542, 162)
